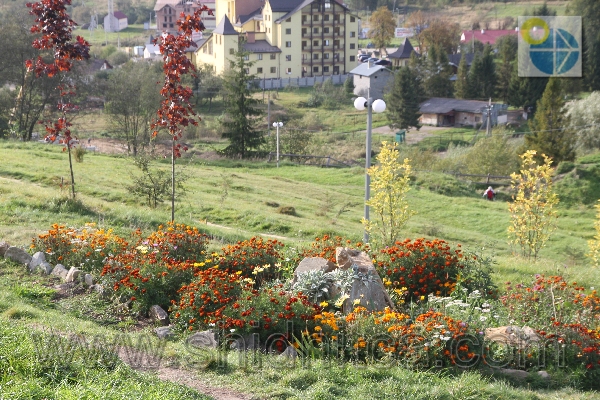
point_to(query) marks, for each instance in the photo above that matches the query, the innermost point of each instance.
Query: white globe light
(359, 103)
(378, 106)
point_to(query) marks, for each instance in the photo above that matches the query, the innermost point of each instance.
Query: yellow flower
(238, 273)
(323, 304)
(356, 302)
(422, 297)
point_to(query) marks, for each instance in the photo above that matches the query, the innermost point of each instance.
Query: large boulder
(3, 247)
(313, 264)
(17, 255)
(204, 339)
(159, 315)
(367, 288)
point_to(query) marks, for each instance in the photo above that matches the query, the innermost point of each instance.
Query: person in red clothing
(489, 194)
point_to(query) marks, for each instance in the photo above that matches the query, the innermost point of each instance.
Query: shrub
(155, 269)
(325, 246)
(78, 153)
(421, 267)
(255, 258)
(85, 248)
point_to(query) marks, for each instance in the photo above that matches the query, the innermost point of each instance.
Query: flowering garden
(444, 299)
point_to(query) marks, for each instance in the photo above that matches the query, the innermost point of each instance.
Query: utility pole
(488, 129)
(269, 113)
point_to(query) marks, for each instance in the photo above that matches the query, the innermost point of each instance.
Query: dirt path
(261, 234)
(413, 136)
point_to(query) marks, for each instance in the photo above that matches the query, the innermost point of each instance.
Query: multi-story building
(285, 38)
(168, 12)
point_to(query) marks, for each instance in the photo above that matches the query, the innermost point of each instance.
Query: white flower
(445, 338)
(482, 318)
(211, 324)
(232, 330)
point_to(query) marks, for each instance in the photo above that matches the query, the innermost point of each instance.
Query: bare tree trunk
(71, 168)
(173, 181)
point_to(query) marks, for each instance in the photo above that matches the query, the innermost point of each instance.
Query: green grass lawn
(236, 194)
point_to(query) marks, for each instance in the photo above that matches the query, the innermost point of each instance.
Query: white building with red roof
(115, 22)
(486, 36)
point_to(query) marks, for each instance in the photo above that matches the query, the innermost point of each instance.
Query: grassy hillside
(246, 198)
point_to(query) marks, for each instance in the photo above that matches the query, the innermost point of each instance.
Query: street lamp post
(371, 105)
(277, 125)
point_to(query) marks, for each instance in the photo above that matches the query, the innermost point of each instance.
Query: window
(165, 18)
(259, 56)
(315, 43)
(326, 42)
(247, 71)
(325, 30)
(315, 18)
(288, 58)
(315, 56)
(170, 25)
(326, 17)
(164, 25)
(259, 70)
(273, 70)
(352, 34)
(352, 58)
(288, 71)
(304, 57)
(315, 69)
(352, 45)
(303, 31)
(288, 31)
(231, 51)
(315, 30)
(336, 43)
(336, 56)
(247, 57)
(303, 43)
(327, 4)
(273, 56)
(303, 18)
(288, 44)
(336, 17)
(336, 30)
(352, 19)
(326, 56)
(325, 69)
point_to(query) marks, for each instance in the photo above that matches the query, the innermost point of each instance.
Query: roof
(404, 51)
(225, 27)
(261, 46)
(161, 3)
(286, 5)
(365, 70)
(440, 105)
(486, 36)
(242, 19)
(153, 49)
(193, 47)
(119, 15)
(454, 59)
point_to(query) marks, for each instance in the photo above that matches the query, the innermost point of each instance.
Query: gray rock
(204, 339)
(72, 275)
(289, 352)
(313, 264)
(45, 268)
(543, 374)
(163, 332)
(88, 279)
(17, 255)
(514, 373)
(3, 247)
(60, 271)
(367, 288)
(250, 341)
(159, 315)
(37, 259)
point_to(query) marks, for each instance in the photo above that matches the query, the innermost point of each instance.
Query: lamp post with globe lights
(277, 125)
(371, 105)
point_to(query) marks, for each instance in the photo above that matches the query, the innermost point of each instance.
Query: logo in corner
(549, 46)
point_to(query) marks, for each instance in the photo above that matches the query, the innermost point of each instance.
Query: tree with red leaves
(55, 27)
(176, 110)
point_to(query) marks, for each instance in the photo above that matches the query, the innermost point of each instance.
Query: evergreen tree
(475, 78)
(592, 67)
(550, 133)
(461, 85)
(507, 53)
(488, 77)
(403, 100)
(590, 14)
(437, 72)
(525, 92)
(239, 123)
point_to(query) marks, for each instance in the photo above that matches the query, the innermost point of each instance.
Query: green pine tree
(461, 85)
(475, 78)
(403, 100)
(550, 133)
(507, 53)
(488, 77)
(525, 92)
(240, 120)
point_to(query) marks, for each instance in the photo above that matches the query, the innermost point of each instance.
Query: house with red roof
(488, 36)
(115, 22)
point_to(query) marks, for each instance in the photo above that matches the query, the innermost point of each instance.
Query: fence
(306, 159)
(500, 180)
(280, 83)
